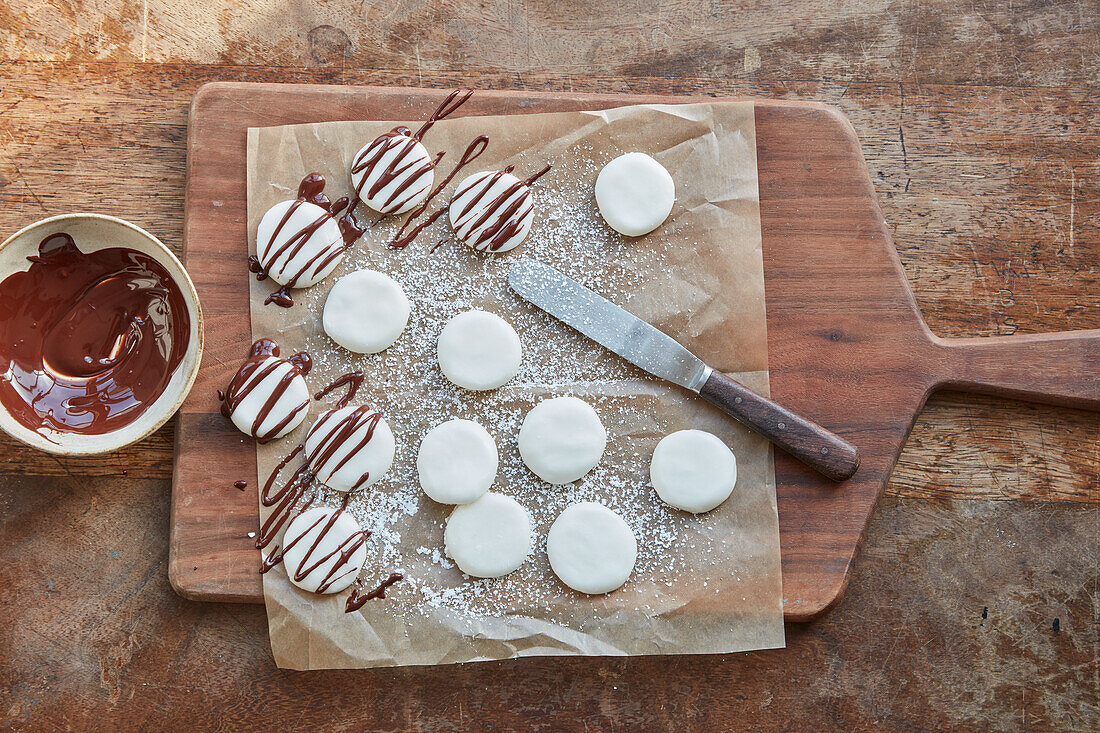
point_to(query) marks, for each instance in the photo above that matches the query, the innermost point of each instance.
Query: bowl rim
(189, 293)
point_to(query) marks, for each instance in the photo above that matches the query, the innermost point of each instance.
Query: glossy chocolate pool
(88, 341)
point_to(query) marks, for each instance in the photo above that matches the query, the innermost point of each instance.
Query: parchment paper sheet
(702, 584)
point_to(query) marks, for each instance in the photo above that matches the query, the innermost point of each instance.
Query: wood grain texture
(947, 625)
(979, 125)
(847, 345)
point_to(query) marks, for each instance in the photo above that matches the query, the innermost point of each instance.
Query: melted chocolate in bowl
(88, 341)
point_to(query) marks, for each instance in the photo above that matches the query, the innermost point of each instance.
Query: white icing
(301, 554)
(490, 537)
(365, 312)
(476, 227)
(479, 350)
(292, 404)
(635, 194)
(591, 548)
(413, 168)
(693, 470)
(308, 263)
(562, 439)
(457, 462)
(342, 463)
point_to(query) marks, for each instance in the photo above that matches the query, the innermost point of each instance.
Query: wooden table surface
(974, 603)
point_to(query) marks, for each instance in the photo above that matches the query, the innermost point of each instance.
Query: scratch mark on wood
(34, 195)
(144, 26)
(1072, 207)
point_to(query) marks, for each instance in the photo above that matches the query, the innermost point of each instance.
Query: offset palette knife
(644, 346)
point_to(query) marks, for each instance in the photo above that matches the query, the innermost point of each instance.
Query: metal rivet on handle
(782, 426)
(824, 450)
(737, 400)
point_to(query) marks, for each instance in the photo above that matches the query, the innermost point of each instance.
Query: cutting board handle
(825, 452)
(1052, 368)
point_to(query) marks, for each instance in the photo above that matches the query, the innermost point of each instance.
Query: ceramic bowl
(93, 232)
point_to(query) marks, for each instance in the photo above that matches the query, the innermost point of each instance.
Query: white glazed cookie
(457, 462)
(492, 211)
(300, 250)
(365, 312)
(394, 173)
(268, 396)
(349, 448)
(693, 470)
(562, 439)
(275, 400)
(591, 548)
(635, 194)
(479, 350)
(324, 550)
(490, 537)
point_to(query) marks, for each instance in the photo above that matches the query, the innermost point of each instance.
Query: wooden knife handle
(810, 443)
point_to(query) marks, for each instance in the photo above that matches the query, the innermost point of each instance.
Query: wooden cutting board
(846, 343)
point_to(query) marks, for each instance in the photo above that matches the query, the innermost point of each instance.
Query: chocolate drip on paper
(358, 599)
(449, 105)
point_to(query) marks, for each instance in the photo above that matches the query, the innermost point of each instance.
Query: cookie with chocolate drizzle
(299, 242)
(492, 211)
(323, 550)
(349, 448)
(268, 396)
(394, 173)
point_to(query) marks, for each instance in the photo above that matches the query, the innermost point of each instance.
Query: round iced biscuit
(490, 537)
(349, 448)
(393, 174)
(290, 409)
(591, 548)
(295, 263)
(635, 194)
(325, 550)
(492, 211)
(365, 312)
(457, 462)
(479, 350)
(693, 470)
(562, 439)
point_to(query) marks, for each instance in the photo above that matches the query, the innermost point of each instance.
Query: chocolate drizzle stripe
(447, 108)
(401, 146)
(473, 150)
(277, 554)
(372, 157)
(277, 259)
(398, 165)
(284, 501)
(266, 497)
(293, 244)
(354, 379)
(343, 552)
